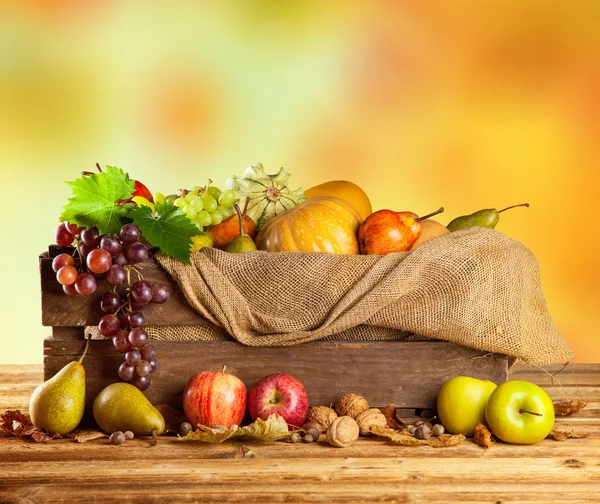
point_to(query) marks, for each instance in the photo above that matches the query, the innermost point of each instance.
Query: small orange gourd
(320, 224)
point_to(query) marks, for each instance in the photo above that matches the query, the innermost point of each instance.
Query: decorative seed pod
(321, 415)
(351, 405)
(342, 432)
(370, 418)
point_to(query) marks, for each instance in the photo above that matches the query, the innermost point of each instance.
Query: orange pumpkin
(345, 190)
(321, 224)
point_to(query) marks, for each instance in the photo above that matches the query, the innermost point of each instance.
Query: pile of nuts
(425, 430)
(118, 438)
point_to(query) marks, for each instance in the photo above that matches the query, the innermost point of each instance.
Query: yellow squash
(345, 190)
(320, 224)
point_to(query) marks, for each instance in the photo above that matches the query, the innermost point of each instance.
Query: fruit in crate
(347, 191)
(386, 231)
(520, 412)
(430, 229)
(224, 233)
(461, 403)
(214, 398)
(269, 195)
(487, 218)
(279, 394)
(242, 242)
(122, 407)
(320, 224)
(57, 405)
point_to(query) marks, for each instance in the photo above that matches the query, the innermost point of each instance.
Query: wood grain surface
(371, 470)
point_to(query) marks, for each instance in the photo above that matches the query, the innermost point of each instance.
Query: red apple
(386, 231)
(214, 398)
(279, 394)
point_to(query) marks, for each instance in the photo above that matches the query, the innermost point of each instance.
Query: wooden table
(371, 470)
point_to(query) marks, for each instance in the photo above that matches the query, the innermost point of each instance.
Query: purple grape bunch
(115, 258)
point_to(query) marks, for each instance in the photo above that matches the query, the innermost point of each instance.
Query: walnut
(370, 418)
(351, 405)
(321, 415)
(342, 432)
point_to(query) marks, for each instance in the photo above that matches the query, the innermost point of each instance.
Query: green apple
(520, 412)
(461, 403)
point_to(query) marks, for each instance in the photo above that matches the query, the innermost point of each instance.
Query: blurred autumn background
(467, 104)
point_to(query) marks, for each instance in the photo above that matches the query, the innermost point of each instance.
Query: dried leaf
(272, 429)
(85, 435)
(42, 437)
(393, 420)
(568, 408)
(482, 436)
(564, 435)
(15, 423)
(407, 439)
(173, 417)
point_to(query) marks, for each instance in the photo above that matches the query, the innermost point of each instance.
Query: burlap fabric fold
(475, 287)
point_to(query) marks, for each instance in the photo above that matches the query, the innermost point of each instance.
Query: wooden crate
(406, 373)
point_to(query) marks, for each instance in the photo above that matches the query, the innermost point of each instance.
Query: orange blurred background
(465, 104)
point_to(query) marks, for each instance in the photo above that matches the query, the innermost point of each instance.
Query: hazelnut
(295, 437)
(185, 428)
(351, 405)
(438, 430)
(321, 416)
(370, 418)
(312, 425)
(308, 438)
(342, 432)
(117, 438)
(315, 433)
(423, 432)
(128, 434)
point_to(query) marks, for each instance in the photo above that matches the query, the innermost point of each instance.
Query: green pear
(487, 218)
(57, 405)
(123, 407)
(241, 243)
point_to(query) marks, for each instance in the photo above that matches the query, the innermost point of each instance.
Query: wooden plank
(85, 310)
(327, 479)
(408, 374)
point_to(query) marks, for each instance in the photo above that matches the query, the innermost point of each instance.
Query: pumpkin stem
(240, 218)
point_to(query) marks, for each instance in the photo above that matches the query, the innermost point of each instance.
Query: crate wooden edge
(408, 374)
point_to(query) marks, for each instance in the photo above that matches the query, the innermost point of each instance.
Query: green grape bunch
(205, 206)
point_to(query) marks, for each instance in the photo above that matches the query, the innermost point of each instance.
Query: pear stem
(246, 206)
(438, 211)
(530, 412)
(240, 218)
(87, 345)
(513, 206)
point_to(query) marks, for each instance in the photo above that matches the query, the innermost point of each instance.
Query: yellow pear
(430, 229)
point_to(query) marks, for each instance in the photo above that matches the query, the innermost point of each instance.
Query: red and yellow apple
(279, 394)
(214, 398)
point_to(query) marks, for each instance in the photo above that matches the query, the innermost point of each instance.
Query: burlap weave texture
(475, 287)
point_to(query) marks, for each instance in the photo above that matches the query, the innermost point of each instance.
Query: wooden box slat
(408, 374)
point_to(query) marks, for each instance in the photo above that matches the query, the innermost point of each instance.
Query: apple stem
(530, 412)
(438, 211)
(224, 368)
(513, 206)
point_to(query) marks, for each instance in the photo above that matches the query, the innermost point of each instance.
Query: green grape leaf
(95, 197)
(167, 228)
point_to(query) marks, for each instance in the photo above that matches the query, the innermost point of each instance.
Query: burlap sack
(475, 287)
